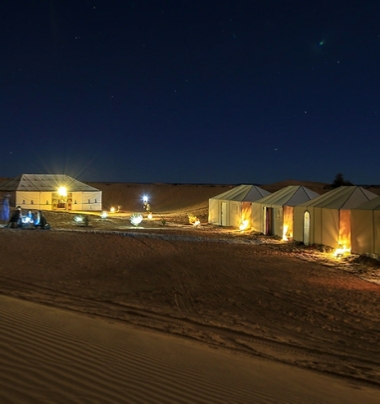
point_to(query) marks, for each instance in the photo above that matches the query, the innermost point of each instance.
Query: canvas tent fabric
(365, 229)
(233, 207)
(326, 220)
(40, 192)
(273, 214)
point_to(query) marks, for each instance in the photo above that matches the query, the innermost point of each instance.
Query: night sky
(224, 92)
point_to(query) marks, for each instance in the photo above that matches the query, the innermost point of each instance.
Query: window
(31, 202)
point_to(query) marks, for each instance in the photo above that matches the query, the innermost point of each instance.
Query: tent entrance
(306, 228)
(60, 202)
(223, 212)
(268, 221)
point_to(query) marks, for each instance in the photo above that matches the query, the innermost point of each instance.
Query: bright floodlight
(136, 219)
(145, 199)
(78, 219)
(62, 191)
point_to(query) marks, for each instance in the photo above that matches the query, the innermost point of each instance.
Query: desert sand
(167, 312)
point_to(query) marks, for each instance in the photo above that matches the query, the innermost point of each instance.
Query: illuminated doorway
(306, 228)
(224, 214)
(61, 202)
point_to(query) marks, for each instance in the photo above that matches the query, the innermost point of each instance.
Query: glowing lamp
(150, 216)
(103, 215)
(136, 219)
(284, 233)
(62, 191)
(112, 210)
(78, 219)
(243, 225)
(341, 251)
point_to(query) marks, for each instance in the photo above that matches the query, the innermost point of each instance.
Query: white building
(56, 192)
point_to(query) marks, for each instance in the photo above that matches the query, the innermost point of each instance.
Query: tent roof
(45, 182)
(373, 204)
(248, 193)
(289, 196)
(346, 197)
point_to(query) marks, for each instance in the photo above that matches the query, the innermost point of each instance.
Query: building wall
(33, 200)
(329, 228)
(362, 237)
(235, 214)
(86, 201)
(278, 222)
(257, 217)
(214, 211)
(43, 200)
(365, 232)
(298, 222)
(232, 212)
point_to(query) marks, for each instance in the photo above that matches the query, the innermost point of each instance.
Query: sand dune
(52, 355)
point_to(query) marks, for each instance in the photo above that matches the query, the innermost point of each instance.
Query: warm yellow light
(112, 210)
(62, 191)
(243, 225)
(284, 232)
(341, 251)
(150, 215)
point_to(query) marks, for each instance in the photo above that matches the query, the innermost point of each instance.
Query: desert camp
(163, 301)
(291, 212)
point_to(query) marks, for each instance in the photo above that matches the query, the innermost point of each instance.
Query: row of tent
(346, 217)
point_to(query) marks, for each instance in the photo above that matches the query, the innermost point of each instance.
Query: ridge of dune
(52, 355)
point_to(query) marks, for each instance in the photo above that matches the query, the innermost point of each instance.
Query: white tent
(365, 229)
(233, 207)
(51, 192)
(326, 220)
(273, 215)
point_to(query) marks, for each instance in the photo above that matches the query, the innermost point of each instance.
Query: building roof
(291, 195)
(45, 182)
(243, 193)
(345, 197)
(373, 204)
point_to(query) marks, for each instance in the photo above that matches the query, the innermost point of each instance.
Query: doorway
(268, 221)
(224, 214)
(306, 228)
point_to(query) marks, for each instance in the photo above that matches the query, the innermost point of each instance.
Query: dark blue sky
(191, 91)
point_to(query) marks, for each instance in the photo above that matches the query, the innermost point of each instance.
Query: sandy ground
(57, 356)
(169, 312)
